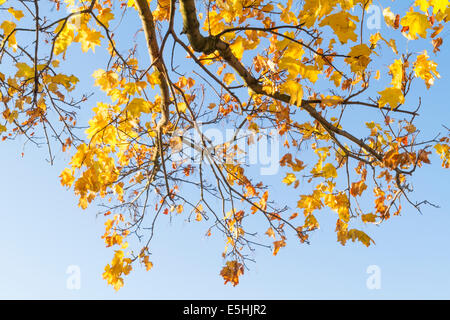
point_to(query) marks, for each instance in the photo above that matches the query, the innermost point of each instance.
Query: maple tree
(299, 67)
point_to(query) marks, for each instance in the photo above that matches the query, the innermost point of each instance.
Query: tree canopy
(331, 87)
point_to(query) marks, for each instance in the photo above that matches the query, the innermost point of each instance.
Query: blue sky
(43, 232)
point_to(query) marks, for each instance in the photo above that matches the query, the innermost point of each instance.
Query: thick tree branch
(210, 44)
(157, 61)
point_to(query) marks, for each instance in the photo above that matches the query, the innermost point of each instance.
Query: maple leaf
(238, 47)
(106, 80)
(426, 69)
(289, 179)
(311, 222)
(397, 72)
(105, 16)
(231, 272)
(198, 213)
(440, 6)
(368, 218)
(67, 177)
(270, 232)
(329, 171)
(294, 90)
(153, 78)
(423, 4)
(343, 25)
(114, 272)
(18, 14)
(228, 78)
(138, 106)
(361, 236)
(392, 96)
(358, 188)
(8, 28)
(417, 24)
(148, 264)
(277, 245)
(24, 70)
(359, 57)
(181, 106)
(89, 39)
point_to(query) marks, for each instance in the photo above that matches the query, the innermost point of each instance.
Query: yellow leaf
(119, 266)
(270, 233)
(88, 39)
(153, 78)
(289, 179)
(359, 57)
(277, 245)
(439, 5)
(133, 88)
(24, 71)
(391, 96)
(417, 23)
(309, 203)
(369, 217)
(228, 78)
(67, 177)
(336, 77)
(148, 264)
(426, 69)
(181, 106)
(138, 106)
(423, 4)
(238, 47)
(294, 90)
(198, 211)
(329, 171)
(296, 68)
(311, 222)
(358, 188)
(18, 14)
(65, 38)
(396, 71)
(8, 27)
(106, 80)
(343, 25)
(105, 16)
(362, 237)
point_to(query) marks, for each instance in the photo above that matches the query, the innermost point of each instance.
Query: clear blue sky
(43, 232)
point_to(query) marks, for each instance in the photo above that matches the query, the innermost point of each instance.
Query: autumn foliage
(336, 92)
